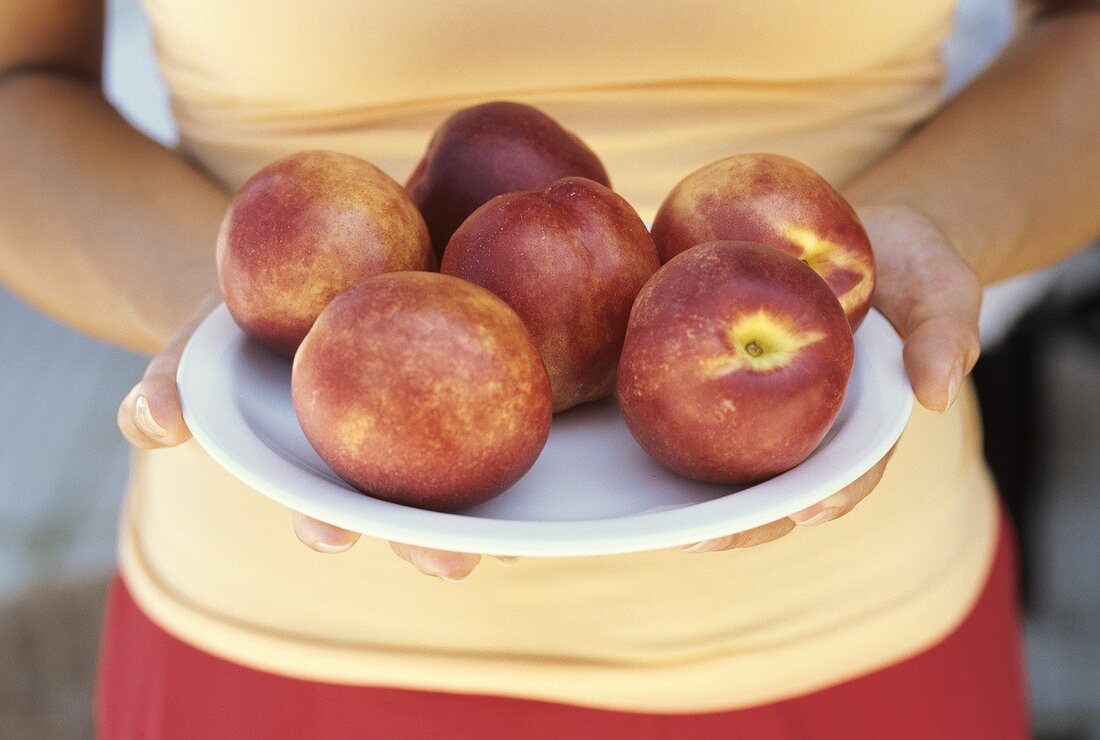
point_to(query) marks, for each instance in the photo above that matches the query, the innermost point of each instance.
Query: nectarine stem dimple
(754, 349)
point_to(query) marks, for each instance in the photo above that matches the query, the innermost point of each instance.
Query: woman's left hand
(932, 297)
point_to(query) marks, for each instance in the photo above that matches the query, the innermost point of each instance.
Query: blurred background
(63, 462)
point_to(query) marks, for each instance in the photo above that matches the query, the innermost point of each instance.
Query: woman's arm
(1009, 171)
(100, 227)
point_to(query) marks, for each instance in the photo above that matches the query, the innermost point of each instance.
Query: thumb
(150, 416)
(939, 352)
(931, 296)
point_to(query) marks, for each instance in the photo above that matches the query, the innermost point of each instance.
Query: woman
(897, 620)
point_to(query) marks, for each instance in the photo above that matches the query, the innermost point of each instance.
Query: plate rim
(218, 335)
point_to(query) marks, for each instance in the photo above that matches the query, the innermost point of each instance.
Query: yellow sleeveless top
(657, 89)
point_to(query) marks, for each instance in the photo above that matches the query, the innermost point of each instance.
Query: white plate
(593, 490)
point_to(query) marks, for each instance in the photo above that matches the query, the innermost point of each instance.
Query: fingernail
(954, 381)
(323, 538)
(329, 548)
(143, 417)
(508, 560)
(442, 575)
(428, 565)
(825, 515)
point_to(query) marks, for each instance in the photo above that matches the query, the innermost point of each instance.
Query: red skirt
(970, 685)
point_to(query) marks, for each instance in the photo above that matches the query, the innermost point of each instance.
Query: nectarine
(306, 227)
(488, 150)
(777, 201)
(422, 389)
(570, 259)
(735, 364)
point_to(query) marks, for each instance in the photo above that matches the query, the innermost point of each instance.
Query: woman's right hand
(150, 417)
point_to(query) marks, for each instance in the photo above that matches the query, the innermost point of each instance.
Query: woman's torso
(657, 89)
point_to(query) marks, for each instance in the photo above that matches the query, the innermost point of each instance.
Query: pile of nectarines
(436, 389)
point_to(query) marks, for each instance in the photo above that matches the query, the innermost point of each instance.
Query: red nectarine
(306, 227)
(488, 150)
(780, 202)
(735, 364)
(422, 389)
(570, 259)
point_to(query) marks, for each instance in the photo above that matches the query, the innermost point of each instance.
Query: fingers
(322, 537)
(450, 566)
(329, 539)
(844, 500)
(939, 352)
(750, 538)
(837, 505)
(150, 416)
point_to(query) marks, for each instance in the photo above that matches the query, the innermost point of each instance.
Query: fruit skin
(690, 391)
(488, 150)
(422, 389)
(306, 227)
(774, 200)
(570, 259)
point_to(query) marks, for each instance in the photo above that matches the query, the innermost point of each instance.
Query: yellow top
(657, 89)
